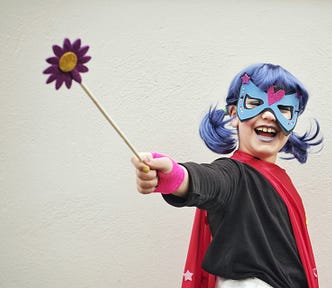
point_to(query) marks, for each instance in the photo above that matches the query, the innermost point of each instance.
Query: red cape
(195, 277)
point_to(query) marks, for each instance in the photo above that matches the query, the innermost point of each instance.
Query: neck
(262, 156)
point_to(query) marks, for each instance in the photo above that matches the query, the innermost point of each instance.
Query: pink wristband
(170, 182)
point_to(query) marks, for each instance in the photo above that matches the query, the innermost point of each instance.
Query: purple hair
(220, 139)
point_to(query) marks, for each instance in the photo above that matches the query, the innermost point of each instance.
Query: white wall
(70, 215)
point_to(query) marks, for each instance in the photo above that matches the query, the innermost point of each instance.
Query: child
(254, 213)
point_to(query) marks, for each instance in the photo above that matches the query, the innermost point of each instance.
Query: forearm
(182, 191)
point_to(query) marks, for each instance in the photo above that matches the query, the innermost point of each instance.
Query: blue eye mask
(273, 101)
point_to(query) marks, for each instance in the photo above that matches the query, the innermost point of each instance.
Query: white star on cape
(188, 276)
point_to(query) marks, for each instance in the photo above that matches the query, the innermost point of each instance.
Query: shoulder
(226, 163)
(220, 164)
(222, 168)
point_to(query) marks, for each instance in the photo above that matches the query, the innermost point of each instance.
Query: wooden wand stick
(108, 118)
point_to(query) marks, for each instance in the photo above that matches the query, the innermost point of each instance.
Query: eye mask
(271, 101)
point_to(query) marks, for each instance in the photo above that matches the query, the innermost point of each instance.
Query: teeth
(266, 130)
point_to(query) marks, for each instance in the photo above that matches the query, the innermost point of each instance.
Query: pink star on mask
(245, 79)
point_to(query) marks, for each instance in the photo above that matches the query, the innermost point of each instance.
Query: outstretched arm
(165, 175)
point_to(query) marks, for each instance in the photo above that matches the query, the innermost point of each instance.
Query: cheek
(247, 125)
(235, 122)
(284, 138)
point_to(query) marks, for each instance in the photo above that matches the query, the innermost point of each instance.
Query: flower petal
(82, 51)
(51, 78)
(51, 70)
(68, 82)
(76, 76)
(57, 50)
(58, 83)
(77, 44)
(81, 68)
(66, 45)
(84, 59)
(53, 60)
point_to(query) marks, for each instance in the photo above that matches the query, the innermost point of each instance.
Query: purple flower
(67, 64)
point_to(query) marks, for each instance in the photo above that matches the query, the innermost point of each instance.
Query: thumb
(162, 164)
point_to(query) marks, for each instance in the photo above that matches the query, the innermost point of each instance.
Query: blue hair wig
(223, 140)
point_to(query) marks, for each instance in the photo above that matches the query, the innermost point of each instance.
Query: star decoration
(314, 270)
(245, 79)
(188, 276)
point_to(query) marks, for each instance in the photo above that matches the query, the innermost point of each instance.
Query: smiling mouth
(266, 132)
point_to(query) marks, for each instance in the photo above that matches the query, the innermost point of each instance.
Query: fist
(147, 171)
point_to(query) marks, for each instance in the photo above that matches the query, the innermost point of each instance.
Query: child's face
(261, 136)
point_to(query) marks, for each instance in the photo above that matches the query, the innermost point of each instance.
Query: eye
(251, 102)
(287, 111)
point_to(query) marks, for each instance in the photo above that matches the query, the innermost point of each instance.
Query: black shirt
(251, 229)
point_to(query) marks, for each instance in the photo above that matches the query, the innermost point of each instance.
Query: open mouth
(266, 132)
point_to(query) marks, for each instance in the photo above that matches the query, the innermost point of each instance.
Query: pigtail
(215, 134)
(300, 146)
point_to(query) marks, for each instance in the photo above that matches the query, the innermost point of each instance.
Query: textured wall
(70, 215)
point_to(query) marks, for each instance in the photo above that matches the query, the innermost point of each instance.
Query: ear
(232, 110)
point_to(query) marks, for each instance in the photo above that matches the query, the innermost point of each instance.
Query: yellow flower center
(68, 62)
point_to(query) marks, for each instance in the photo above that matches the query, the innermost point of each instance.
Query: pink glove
(170, 182)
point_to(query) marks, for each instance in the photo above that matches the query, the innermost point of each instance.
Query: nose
(268, 115)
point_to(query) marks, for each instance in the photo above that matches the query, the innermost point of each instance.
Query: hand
(164, 176)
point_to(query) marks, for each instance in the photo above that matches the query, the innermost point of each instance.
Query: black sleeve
(210, 185)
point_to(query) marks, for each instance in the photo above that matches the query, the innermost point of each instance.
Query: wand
(67, 64)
